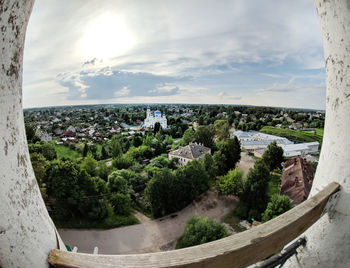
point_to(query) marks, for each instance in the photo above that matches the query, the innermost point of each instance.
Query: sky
(263, 53)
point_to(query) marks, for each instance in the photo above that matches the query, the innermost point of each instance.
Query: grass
(233, 221)
(112, 221)
(65, 151)
(294, 135)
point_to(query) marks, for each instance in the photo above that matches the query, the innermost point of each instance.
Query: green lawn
(294, 135)
(112, 221)
(65, 151)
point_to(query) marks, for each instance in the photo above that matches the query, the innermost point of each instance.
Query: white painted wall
(328, 240)
(27, 233)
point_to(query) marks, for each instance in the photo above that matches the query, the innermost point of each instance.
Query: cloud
(292, 86)
(107, 84)
(198, 51)
(90, 62)
(124, 92)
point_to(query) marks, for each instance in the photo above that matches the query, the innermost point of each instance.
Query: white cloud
(123, 92)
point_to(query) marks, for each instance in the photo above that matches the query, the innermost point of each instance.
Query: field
(65, 151)
(295, 135)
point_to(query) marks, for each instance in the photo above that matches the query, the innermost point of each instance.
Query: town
(106, 166)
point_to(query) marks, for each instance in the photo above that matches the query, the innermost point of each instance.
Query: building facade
(153, 118)
(188, 153)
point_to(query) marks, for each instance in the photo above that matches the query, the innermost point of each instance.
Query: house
(297, 179)
(190, 152)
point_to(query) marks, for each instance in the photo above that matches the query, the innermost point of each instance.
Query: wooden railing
(239, 250)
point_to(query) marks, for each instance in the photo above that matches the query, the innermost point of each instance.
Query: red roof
(297, 179)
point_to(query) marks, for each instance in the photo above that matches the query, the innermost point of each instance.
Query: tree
(222, 129)
(89, 164)
(219, 163)
(231, 184)
(205, 135)
(209, 165)
(194, 178)
(188, 136)
(255, 195)
(121, 203)
(277, 206)
(102, 170)
(231, 149)
(85, 150)
(123, 162)
(273, 156)
(201, 230)
(156, 128)
(40, 165)
(160, 192)
(104, 153)
(116, 148)
(118, 184)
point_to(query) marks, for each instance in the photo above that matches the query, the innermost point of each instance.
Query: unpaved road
(150, 235)
(246, 163)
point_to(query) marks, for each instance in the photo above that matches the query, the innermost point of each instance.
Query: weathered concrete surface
(328, 241)
(27, 233)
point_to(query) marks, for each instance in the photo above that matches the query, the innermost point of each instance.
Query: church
(152, 119)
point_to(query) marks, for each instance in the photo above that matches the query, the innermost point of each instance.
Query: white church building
(152, 119)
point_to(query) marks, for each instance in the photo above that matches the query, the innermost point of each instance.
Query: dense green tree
(104, 153)
(89, 164)
(273, 156)
(30, 133)
(231, 183)
(231, 149)
(160, 192)
(188, 136)
(205, 135)
(46, 149)
(116, 148)
(135, 180)
(76, 193)
(141, 152)
(85, 149)
(209, 165)
(118, 184)
(220, 163)
(121, 203)
(123, 162)
(199, 231)
(277, 206)
(102, 170)
(156, 128)
(255, 195)
(222, 129)
(40, 165)
(195, 179)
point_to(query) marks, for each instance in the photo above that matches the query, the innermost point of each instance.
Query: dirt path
(150, 235)
(246, 163)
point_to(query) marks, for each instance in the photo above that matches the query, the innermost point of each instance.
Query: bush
(199, 231)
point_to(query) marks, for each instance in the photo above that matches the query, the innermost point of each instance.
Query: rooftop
(191, 151)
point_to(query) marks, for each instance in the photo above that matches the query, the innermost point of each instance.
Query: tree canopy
(231, 183)
(273, 156)
(277, 206)
(199, 231)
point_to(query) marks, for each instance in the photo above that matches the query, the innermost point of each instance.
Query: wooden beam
(239, 250)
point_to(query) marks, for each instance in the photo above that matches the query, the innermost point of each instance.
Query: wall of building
(27, 233)
(328, 240)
